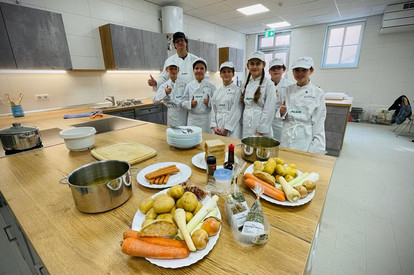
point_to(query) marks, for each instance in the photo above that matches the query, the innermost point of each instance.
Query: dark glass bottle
(230, 160)
(211, 167)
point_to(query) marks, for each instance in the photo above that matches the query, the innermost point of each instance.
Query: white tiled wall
(385, 69)
(82, 19)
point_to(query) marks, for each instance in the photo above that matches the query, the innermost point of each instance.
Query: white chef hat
(276, 62)
(227, 64)
(200, 60)
(259, 55)
(303, 62)
(171, 62)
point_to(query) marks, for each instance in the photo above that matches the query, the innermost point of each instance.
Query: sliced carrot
(152, 181)
(268, 189)
(161, 180)
(162, 172)
(167, 177)
(139, 248)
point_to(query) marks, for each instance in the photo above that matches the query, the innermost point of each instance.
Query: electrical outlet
(42, 97)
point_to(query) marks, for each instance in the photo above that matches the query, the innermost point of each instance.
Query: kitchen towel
(82, 114)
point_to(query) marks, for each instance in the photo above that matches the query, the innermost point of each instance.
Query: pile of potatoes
(162, 206)
(271, 170)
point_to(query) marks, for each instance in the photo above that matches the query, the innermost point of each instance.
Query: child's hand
(283, 108)
(168, 90)
(216, 130)
(224, 132)
(206, 100)
(193, 103)
(152, 82)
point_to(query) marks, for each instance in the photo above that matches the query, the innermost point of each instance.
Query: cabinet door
(6, 54)
(210, 55)
(196, 47)
(155, 50)
(37, 38)
(127, 47)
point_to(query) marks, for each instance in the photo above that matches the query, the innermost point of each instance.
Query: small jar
(223, 179)
(17, 110)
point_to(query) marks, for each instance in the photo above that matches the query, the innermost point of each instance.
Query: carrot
(157, 180)
(167, 177)
(161, 180)
(139, 248)
(155, 240)
(163, 172)
(152, 181)
(268, 190)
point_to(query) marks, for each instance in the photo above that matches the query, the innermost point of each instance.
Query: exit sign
(270, 33)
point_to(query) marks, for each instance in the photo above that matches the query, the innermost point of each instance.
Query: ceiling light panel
(278, 25)
(255, 9)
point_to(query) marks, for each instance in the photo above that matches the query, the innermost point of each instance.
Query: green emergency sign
(270, 33)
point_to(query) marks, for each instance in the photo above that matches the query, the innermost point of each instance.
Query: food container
(259, 148)
(222, 179)
(79, 138)
(20, 137)
(100, 186)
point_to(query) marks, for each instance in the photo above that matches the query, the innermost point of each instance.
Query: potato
(199, 205)
(266, 177)
(279, 161)
(188, 216)
(292, 165)
(277, 178)
(146, 205)
(309, 185)
(173, 210)
(159, 228)
(189, 201)
(146, 222)
(257, 166)
(288, 178)
(280, 170)
(302, 191)
(291, 171)
(163, 204)
(151, 214)
(166, 216)
(176, 191)
(269, 166)
(179, 203)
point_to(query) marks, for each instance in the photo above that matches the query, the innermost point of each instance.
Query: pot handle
(109, 185)
(261, 157)
(64, 180)
(134, 172)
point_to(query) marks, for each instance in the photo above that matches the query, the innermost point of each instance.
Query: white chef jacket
(186, 68)
(258, 117)
(226, 109)
(304, 121)
(280, 96)
(176, 116)
(201, 114)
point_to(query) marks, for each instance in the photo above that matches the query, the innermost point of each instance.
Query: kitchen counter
(70, 242)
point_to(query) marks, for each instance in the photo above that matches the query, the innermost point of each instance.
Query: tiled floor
(368, 223)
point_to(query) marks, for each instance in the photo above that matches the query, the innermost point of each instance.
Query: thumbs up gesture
(206, 100)
(193, 103)
(168, 90)
(283, 108)
(152, 82)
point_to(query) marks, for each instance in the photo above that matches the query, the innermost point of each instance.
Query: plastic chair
(410, 122)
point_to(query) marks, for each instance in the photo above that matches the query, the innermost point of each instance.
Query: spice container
(211, 167)
(223, 178)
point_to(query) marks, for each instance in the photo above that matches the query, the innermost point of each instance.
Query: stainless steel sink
(110, 124)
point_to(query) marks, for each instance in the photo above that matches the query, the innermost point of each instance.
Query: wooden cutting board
(128, 151)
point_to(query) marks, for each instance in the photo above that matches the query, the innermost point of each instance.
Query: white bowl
(79, 138)
(197, 131)
(185, 145)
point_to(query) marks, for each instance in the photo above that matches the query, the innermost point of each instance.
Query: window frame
(326, 46)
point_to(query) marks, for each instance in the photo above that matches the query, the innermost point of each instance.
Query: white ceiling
(296, 12)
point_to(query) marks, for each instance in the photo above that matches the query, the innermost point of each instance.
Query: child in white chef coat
(226, 108)
(259, 98)
(197, 97)
(276, 70)
(171, 94)
(304, 111)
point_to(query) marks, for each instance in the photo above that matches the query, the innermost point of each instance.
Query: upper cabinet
(37, 38)
(127, 48)
(234, 55)
(6, 54)
(207, 51)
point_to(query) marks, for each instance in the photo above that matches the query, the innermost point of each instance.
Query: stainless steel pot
(20, 137)
(259, 148)
(100, 186)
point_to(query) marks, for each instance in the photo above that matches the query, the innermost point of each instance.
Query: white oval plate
(303, 201)
(199, 161)
(177, 178)
(177, 263)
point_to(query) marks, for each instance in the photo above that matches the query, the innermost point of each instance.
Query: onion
(211, 226)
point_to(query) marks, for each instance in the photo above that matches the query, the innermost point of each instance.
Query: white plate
(177, 263)
(177, 178)
(199, 161)
(303, 201)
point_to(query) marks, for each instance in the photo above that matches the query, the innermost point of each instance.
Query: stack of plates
(181, 138)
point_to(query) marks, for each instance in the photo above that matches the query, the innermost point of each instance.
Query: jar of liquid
(223, 180)
(17, 110)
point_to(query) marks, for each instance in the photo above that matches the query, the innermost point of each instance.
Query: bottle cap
(231, 147)
(211, 160)
(223, 174)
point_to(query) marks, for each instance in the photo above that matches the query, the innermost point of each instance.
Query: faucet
(111, 99)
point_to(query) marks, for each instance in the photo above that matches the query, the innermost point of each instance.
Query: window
(277, 46)
(343, 45)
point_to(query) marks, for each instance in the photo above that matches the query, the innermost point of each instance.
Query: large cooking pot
(259, 148)
(19, 138)
(100, 186)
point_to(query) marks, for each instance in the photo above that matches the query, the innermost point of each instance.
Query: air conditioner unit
(398, 18)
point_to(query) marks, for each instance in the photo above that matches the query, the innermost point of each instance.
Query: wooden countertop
(70, 242)
(344, 102)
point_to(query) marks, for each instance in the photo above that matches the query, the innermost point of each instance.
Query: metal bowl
(259, 148)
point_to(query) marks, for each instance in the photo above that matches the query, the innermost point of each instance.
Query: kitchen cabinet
(153, 113)
(335, 125)
(126, 114)
(207, 51)
(37, 38)
(127, 48)
(6, 55)
(234, 55)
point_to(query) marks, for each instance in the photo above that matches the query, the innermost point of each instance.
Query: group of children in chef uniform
(293, 113)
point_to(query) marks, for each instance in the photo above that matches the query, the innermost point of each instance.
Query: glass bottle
(230, 160)
(211, 167)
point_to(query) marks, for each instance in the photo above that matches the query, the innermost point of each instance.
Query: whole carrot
(268, 190)
(139, 248)
(155, 240)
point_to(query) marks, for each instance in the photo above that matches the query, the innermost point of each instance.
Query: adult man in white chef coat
(182, 58)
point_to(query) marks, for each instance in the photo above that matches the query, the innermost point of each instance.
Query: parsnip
(291, 194)
(179, 217)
